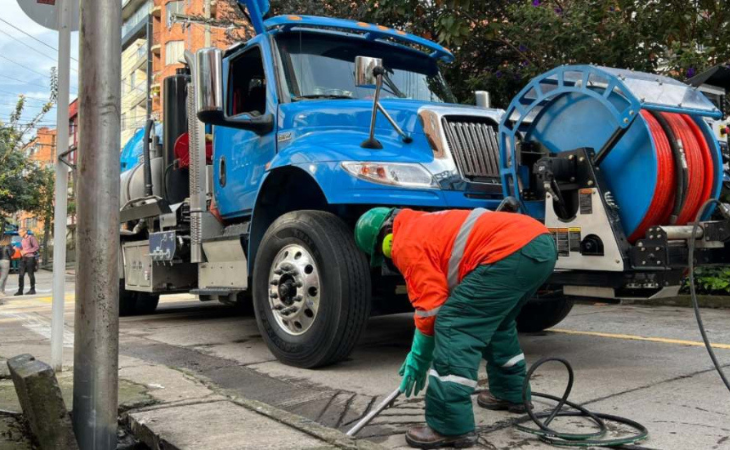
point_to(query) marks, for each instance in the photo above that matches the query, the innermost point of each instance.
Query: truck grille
(474, 146)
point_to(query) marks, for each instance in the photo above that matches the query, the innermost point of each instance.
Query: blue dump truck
(315, 120)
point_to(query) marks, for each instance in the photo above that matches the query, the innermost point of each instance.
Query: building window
(176, 7)
(174, 52)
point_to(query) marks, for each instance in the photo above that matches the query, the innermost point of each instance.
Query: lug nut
(274, 282)
(274, 295)
(278, 272)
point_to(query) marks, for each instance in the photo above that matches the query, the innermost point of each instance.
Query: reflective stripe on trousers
(453, 379)
(514, 360)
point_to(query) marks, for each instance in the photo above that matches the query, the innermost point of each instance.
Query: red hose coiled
(661, 204)
(700, 170)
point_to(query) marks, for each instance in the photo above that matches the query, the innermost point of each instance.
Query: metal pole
(96, 349)
(61, 186)
(206, 14)
(149, 65)
(385, 404)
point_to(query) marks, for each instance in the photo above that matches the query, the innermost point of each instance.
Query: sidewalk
(167, 409)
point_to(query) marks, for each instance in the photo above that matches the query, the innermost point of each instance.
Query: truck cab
(292, 157)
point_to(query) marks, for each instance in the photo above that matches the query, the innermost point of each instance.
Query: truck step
(218, 292)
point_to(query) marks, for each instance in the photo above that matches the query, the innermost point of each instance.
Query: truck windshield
(323, 66)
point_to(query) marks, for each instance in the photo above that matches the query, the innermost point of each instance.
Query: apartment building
(155, 36)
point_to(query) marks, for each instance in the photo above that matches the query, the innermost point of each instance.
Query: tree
(19, 178)
(499, 45)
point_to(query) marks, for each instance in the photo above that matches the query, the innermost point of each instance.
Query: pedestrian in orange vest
(468, 274)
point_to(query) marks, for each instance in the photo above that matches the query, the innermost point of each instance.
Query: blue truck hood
(338, 127)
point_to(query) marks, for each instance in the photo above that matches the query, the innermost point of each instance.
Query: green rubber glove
(415, 368)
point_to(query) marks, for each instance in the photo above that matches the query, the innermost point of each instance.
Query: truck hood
(336, 128)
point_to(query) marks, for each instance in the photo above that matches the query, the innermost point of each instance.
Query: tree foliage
(500, 44)
(22, 183)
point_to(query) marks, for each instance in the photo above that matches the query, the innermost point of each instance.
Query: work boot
(18, 293)
(426, 437)
(489, 401)
(31, 292)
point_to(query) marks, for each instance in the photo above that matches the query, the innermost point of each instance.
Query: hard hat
(367, 230)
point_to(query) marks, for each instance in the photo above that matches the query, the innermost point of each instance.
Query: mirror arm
(371, 142)
(406, 137)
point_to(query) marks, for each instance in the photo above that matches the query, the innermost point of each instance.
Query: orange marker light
(294, 17)
(363, 24)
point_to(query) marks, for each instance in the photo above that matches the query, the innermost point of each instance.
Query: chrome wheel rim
(294, 289)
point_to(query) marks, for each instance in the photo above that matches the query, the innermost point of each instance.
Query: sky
(33, 78)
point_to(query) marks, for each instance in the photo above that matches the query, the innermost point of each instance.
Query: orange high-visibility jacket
(434, 251)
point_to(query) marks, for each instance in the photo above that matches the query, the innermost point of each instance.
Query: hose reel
(656, 154)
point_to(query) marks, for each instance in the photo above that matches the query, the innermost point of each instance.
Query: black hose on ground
(693, 294)
(554, 437)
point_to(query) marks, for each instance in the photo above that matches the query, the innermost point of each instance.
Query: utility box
(143, 275)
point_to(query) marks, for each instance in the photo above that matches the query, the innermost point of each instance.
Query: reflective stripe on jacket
(435, 251)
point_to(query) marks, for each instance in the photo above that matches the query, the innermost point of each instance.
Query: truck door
(241, 156)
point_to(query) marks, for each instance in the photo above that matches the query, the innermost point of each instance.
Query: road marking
(39, 325)
(15, 288)
(631, 337)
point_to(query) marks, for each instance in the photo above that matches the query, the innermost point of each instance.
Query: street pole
(61, 186)
(206, 13)
(96, 343)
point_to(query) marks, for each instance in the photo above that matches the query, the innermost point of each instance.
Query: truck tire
(541, 314)
(311, 289)
(136, 303)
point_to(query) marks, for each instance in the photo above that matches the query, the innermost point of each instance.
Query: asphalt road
(644, 363)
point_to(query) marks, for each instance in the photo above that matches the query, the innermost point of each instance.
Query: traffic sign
(45, 12)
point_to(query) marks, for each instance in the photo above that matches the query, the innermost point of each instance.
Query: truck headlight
(393, 174)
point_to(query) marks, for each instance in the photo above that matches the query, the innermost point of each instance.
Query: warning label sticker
(585, 201)
(566, 240)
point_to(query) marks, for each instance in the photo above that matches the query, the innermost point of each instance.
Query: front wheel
(311, 289)
(543, 313)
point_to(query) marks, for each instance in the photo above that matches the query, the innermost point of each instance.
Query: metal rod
(681, 232)
(398, 129)
(609, 145)
(372, 414)
(62, 158)
(96, 337)
(146, 143)
(61, 187)
(148, 31)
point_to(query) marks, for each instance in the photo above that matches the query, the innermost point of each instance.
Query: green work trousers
(478, 321)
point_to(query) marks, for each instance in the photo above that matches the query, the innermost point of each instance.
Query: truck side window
(247, 84)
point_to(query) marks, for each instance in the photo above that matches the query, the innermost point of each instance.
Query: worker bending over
(468, 274)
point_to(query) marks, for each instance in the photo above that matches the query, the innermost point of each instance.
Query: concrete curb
(685, 301)
(328, 435)
(42, 402)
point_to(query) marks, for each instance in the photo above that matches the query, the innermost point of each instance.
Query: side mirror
(209, 98)
(369, 73)
(365, 73)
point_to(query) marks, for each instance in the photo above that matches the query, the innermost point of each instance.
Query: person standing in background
(6, 254)
(28, 249)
